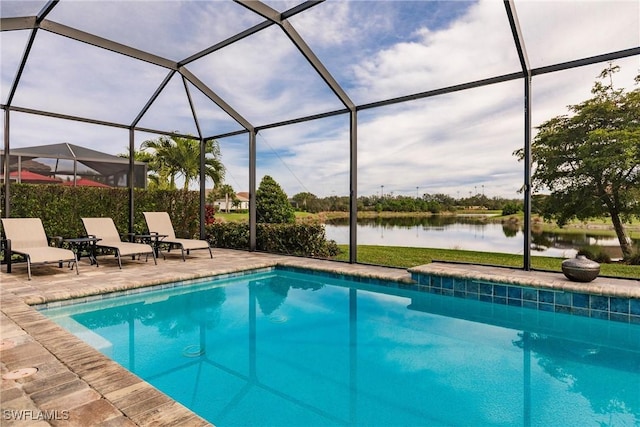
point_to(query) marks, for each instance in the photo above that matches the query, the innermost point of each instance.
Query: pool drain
(19, 373)
(193, 351)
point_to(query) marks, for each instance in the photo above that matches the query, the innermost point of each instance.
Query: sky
(460, 143)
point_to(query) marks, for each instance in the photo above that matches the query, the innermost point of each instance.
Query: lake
(472, 233)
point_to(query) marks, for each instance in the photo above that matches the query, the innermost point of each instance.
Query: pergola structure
(37, 18)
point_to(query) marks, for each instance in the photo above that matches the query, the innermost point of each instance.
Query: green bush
(272, 203)
(230, 235)
(300, 239)
(511, 208)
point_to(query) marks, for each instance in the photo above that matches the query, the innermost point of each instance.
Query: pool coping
(77, 385)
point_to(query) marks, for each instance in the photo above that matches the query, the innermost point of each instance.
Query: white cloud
(558, 31)
(463, 52)
(84, 81)
(333, 24)
(463, 141)
(172, 29)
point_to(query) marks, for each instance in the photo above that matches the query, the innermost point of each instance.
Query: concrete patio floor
(75, 385)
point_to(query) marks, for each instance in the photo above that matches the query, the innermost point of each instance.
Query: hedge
(300, 239)
(61, 209)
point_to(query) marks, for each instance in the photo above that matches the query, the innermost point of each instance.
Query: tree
(174, 157)
(228, 193)
(511, 208)
(305, 201)
(272, 203)
(590, 161)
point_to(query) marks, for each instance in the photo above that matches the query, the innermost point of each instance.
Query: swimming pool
(280, 347)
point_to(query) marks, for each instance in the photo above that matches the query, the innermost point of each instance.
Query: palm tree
(160, 161)
(175, 157)
(229, 194)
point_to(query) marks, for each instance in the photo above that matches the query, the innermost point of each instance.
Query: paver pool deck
(76, 385)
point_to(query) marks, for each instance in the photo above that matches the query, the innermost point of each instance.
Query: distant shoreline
(603, 226)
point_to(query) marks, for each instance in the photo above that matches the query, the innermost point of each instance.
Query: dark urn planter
(580, 269)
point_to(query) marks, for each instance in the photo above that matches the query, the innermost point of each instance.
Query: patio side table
(86, 244)
(152, 239)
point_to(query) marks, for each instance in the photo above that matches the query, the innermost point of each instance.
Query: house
(241, 203)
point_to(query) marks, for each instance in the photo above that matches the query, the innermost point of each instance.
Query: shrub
(272, 203)
(510, 208)
(230, 235)
(209, 214)
(300, 239)
(295, 239)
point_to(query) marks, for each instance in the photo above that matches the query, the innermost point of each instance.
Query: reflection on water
(272, 292)
(171, 316)
(570, 362)
(467, 233)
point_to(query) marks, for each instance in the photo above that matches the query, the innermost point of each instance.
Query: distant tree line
(433, 203)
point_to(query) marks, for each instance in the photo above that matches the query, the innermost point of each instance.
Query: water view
(466, 233)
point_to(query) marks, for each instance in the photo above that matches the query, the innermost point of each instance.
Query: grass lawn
(397, 256)
(232, 216)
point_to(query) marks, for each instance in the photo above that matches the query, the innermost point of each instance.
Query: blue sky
(456, 143)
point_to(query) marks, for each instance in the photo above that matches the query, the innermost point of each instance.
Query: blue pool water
(283, 348)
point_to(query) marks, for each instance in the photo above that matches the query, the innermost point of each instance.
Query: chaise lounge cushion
(160, 223)
(105, 229)
(28, 238)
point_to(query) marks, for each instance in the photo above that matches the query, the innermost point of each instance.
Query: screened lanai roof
(101, 162)
(342, 97)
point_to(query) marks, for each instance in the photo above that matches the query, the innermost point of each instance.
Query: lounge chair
(160, 224)
(105, 229)
(27, 237)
